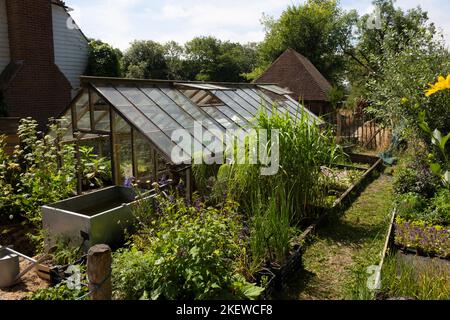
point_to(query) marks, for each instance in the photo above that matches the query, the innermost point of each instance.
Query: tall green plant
(275, 204)
(304, 148)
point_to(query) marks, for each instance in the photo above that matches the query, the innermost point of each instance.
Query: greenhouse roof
(157, 108)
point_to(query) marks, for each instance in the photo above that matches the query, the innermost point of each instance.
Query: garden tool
(9, 266)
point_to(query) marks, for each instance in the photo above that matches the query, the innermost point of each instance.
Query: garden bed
(408, 272)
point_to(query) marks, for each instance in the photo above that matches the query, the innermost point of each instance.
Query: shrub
(416, 178)
(188, 252)
(42, 171)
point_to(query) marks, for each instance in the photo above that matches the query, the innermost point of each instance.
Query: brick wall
(39, 90)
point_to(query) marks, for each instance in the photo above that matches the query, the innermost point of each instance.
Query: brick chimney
(38, 89)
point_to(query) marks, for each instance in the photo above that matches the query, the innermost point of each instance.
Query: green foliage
(410, 206)
(42, 171)
(336, 96)
(423, 236)
(271, 230)
(58, 293)
(275, 204)
(402, 280)
(440, 159)
(185, 252)
(318, 29)
(202, 58)
(104, 60)
(96, 170)
(210, 59)
(304, 148)
(33, 176)
(65, 253)
(173, 53)
(145, 60)
(416, 178)
(440, 208)
(393, 65)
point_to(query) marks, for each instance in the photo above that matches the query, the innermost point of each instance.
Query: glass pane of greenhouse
(158, 124)
(123, 146)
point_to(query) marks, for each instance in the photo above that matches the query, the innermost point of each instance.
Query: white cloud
(121, 21)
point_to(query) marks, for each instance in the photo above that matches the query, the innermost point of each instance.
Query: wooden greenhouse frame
(105, 108)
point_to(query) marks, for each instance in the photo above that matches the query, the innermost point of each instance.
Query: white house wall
(4, 41)
(71, 47)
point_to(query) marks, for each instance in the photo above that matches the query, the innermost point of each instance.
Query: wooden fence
(353, 128)
(8, 128)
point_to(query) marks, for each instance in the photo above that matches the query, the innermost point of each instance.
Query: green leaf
(252, 291)
(447, 177)
(437, 138)
(436, 168)
(444, 141)
(194, 251)
(422, 123)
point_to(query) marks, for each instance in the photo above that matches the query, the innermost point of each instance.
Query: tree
(394, 31)
(318, 29)
(145, 60)
(104, 60)
(394, 64)
(209, 59)
(173, 54)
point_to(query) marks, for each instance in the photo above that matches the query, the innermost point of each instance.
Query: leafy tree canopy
(104, 60)
(145, 59)
(318, 29)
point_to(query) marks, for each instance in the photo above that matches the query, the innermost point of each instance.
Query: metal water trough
(96, 218)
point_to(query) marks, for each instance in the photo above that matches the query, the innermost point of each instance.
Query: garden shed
(136, 119)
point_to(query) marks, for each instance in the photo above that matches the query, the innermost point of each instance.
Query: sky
(119, 22)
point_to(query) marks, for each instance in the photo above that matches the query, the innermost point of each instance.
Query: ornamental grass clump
(276, 205)
(304, 149)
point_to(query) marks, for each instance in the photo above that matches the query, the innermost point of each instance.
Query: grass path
(336, 261)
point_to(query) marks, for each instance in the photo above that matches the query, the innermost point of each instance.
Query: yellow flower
(441, 84)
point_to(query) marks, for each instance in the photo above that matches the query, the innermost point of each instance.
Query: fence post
(99, 272)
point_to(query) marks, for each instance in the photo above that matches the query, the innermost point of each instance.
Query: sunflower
(441, 84)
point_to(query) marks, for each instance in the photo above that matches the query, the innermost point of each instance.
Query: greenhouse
(136, 119)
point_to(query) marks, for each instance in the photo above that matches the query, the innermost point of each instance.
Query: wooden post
(99, 272)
